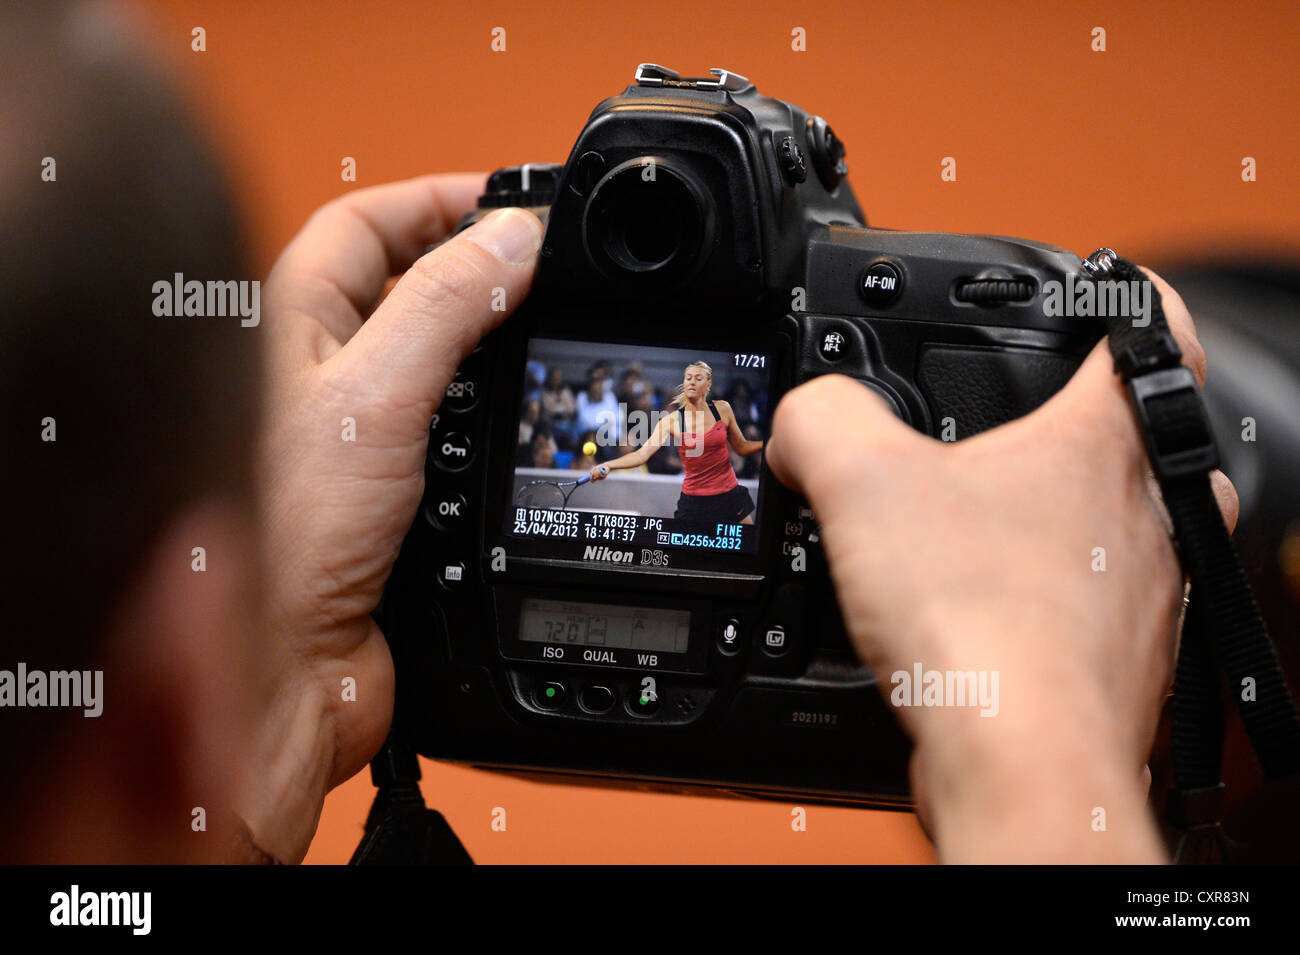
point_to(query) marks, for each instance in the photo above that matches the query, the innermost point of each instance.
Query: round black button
(641, 702)
(446, 511)
(833, 344)
(881, 284)
(889, 398)
(451, 574)
(774, 642)
(729, 638)
(463, 393)
(596, 698)
(451, 450)
(549, 696)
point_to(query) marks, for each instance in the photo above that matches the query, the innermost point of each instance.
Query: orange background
(1138, 148)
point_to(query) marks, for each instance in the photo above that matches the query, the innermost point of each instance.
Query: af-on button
(881, 283)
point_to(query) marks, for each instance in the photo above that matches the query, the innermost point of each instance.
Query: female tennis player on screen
(701, 430)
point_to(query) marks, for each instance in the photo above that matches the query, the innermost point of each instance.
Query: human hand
(349, 405)
(980, 556)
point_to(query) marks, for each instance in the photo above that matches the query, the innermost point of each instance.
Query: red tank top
(705, 458)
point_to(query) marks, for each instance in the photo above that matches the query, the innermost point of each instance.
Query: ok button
(451, 451)
(446, 511)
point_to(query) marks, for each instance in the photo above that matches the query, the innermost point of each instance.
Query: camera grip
(970, 390)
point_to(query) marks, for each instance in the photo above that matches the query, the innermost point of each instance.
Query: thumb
(832, 437)
(441, 308)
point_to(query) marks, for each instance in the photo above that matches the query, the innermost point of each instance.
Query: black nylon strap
(1241, 642)
(400, 829)
(1223, 629)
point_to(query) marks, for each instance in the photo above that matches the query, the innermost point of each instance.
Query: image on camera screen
(640, 446)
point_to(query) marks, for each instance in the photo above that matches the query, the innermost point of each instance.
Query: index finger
(335, 268)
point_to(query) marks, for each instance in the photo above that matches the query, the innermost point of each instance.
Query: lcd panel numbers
(603, 633)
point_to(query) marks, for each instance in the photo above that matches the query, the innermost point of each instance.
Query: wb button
(446, 511)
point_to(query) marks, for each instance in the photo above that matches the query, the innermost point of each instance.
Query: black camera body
(609, 636)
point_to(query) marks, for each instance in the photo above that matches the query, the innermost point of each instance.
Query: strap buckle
(1171, 417)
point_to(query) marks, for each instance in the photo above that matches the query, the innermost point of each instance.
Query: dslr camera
(604, 580)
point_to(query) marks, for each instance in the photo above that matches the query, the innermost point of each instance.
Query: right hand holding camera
(983, 555)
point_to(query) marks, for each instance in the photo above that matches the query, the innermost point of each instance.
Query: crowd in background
(559, 417)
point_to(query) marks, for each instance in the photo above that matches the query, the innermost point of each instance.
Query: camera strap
(1223, 632)
(400, 829)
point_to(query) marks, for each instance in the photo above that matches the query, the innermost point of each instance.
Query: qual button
(596, 698)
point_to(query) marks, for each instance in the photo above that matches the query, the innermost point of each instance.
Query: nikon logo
(607, 553)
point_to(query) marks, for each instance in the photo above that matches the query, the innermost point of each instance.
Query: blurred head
(128, 456)
(543, 450)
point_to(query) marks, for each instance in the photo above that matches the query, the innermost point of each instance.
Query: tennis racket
(550, 495)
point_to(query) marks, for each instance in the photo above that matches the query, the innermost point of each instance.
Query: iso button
(446, 510)
(451, 450)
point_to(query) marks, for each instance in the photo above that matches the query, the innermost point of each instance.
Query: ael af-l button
(881, 283)
(833, 344)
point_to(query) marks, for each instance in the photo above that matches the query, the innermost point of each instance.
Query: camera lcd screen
(604, 626)
(638, 450)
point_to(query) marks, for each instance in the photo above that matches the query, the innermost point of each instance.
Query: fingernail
(511, 235)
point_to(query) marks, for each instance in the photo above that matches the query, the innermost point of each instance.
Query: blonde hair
(679, 399)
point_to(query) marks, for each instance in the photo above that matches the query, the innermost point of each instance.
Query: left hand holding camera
(350, 401)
